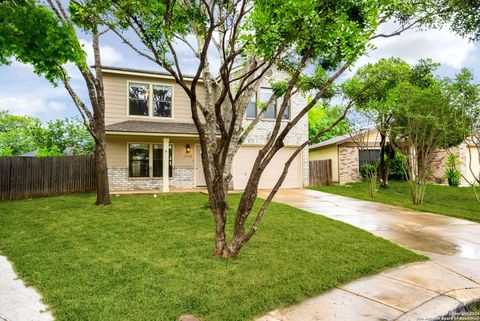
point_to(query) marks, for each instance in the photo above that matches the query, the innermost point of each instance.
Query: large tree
(310, 42)
(374, 104)
(427, 117)
(44, 36)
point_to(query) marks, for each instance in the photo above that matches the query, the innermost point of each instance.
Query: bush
(397, 172)
(367, 171)
(452, 174)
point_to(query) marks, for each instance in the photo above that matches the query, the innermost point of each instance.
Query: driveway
(412, 292)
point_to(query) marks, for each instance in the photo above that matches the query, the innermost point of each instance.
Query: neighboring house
(347, 154)
(469, 167)
(148, 120)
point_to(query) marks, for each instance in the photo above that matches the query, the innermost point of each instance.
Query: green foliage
(23, 134)
(321, 117)
(146, 258)
(68, 136)
(369, 170)
(452, 173)
(32, 34)
(453, 176)
(16, 134)
(397, 168)
(48, 152)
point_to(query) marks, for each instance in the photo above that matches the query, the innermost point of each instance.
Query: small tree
(367, 149)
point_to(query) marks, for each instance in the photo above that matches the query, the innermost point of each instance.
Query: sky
(24, 93)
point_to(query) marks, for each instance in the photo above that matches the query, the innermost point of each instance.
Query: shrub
(452, 174)
(397, 171)
(367, 171)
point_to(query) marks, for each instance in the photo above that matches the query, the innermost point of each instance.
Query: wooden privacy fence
(22, 178)
(320, 172)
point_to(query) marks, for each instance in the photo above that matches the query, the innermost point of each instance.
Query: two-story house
(152, 142)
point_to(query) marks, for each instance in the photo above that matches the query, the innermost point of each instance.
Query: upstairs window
(252, 107)
(272, 110)
(150, 100)
(265, 96)
(138, 99)
(162, 101)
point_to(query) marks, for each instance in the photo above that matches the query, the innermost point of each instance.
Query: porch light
(187, 149)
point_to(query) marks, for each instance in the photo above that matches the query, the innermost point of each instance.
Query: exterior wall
(474, 154)
(438, 164)
(297, 135)
(117, 160)
(348, 164)
(116, 98)
(327, 152)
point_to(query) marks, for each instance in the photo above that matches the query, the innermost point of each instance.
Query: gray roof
(157, 127)
(332, 141)
(141, 71)
(33, 153)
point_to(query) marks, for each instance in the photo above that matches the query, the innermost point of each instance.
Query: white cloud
(109, 55)
(32, 106)
(442, 46)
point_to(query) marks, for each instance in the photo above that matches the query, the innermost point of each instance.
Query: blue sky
(24, 93)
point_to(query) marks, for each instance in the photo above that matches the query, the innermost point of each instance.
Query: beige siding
(473, 161)
(371, 138)
(243, 163)
(116, 98)
(327, 152)
(117, 152)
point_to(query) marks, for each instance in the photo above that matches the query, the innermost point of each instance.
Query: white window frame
(150, 159)
(150, 99)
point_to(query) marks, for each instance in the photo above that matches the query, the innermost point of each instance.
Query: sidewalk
(18, 302)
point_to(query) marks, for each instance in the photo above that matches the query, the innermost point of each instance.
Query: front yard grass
(146, 258)
(451, 201)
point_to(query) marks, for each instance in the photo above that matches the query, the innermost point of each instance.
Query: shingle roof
(332, 141)
(139, 126)
(107, 69)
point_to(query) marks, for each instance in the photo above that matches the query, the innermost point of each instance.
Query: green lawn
(146, 258)
(451, 201)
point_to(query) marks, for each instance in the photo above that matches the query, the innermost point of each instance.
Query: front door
(199, 176)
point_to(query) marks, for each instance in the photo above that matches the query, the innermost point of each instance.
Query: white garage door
(243, 163)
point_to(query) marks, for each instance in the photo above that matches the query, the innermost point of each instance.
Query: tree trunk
(101, 169)
(383, 170)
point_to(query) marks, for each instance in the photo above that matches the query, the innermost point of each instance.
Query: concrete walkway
(18, 302)
(416, 291)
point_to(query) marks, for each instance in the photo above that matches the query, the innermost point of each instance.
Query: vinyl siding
(116, 98)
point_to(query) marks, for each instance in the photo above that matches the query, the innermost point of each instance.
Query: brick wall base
(183, 178)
